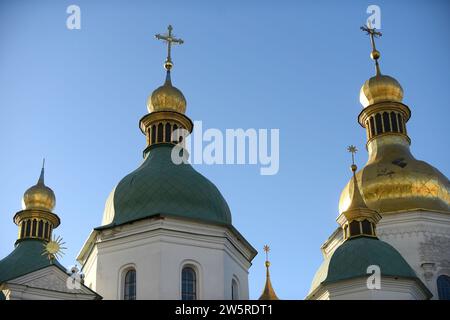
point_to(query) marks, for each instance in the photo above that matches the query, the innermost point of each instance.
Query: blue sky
(75, 98)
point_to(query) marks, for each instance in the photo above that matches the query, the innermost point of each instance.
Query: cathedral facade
(167, 231)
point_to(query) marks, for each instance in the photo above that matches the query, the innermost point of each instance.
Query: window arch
(188, 283)
(386, 122)
(394, 122)
(355, 228)
(443, 286)
(160, 132)
(28, 229)
(168, 132)
(379, 123)
(153, 134)
(40, 228)
(234, 290)
(372, 127)
(366, 227)
(33, 229)
(129, 286)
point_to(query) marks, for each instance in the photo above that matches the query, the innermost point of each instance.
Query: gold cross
(373, 34)
(375, 54)
(169, 38)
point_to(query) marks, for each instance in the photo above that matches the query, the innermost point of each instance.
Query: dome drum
(385, 118)
(158, 127)
(36, 224)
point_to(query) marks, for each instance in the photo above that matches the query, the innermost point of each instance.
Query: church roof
(351, 259)
(160, 187)
(27, 257)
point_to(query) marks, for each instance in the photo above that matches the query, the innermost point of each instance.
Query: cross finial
(352, 149)
(373, 33)
(170, 39)
(266, 250)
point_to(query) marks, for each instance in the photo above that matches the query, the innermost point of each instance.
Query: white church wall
(158, 249)
(423, 239)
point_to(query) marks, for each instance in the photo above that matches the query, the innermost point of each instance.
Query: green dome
(27, 257)
(351, 259)
(160, 187)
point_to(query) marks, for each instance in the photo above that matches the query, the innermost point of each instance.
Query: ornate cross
(375, 54)
(169, 38)
(373, 34)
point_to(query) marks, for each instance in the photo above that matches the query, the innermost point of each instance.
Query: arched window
(372, 127)
(153, 134)
(379, 123)
(160, 132)
(355, 228)
(40, 228)
(28, 230)
(168, 132)
(234, 290)
(188, 284)
(394, 122)
(443, 286)
(387, 122)
(366, 227)
(33, 229)
(129, 287)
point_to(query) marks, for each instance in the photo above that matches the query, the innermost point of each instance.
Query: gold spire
(357, 219)
(380, 88)
(357, 202)
(268, 292)
(167, 97)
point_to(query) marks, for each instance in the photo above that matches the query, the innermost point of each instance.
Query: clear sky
(75, 97)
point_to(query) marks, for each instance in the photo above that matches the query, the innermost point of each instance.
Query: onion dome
(352, 258)
(161, 188)
(394, 181)
(39, 196)
(167, 98)
(380, 88)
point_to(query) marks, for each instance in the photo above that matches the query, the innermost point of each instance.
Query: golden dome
(393, 180)
(167, 98)
(39, 196)
(380, 88)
